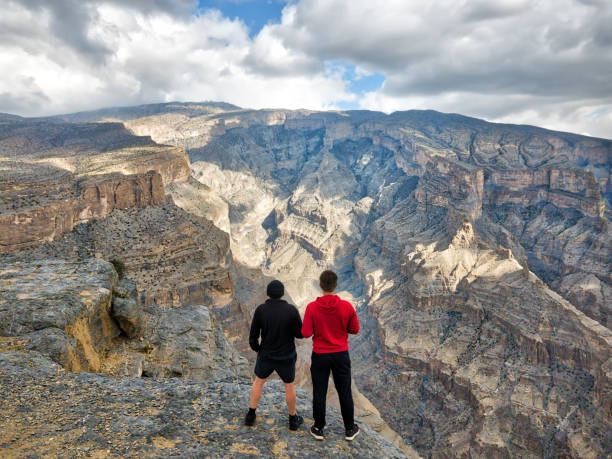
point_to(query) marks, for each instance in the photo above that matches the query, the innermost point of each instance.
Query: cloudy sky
(542, 62)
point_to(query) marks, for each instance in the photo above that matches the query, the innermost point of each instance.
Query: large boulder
(188, 342)
(61, 307)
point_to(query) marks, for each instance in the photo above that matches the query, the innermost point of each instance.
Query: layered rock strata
(89, 148)
(64, 196)
(263, 153)
(481, 357)
(452, 235)
(45, 212)
(54, 175)
(174, 257)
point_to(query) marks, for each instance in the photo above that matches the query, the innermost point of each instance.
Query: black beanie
(276, 289)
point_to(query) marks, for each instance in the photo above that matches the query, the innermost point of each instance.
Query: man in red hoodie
(330, 319)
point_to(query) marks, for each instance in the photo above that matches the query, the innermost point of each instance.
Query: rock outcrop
(79, 315)
(44, 212)
(174, 257)
(72, 192)
(55, 175)
(61, 309)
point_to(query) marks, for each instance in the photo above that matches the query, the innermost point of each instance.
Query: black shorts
(285, 368)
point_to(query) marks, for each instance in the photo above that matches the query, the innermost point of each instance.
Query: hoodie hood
(328, 303)
(329, 319)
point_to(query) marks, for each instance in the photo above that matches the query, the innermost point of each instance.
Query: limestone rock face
(72, 313)
(594, 295)
(564, 188)
(89, 148)
(54, 175)
(61, 309)
(185, 342)
(77, 191)
(46, 219)
(487, 358)
(283, 158)
(175, 258)
(136, 417)
(128, 315)
(477, 254)
(196, 198)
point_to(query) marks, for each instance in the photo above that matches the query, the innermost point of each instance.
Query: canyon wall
(45, 212)
(74, 196)
(477, 255)
(55, 175)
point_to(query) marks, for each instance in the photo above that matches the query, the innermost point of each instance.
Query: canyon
(477, 256)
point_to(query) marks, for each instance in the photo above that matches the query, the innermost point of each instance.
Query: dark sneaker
(249, 419)
(352, 433)
(295, 422)
(317, 433)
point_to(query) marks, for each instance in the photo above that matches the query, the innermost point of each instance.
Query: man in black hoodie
(279, 323)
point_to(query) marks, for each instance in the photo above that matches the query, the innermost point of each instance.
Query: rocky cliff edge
(51, 412)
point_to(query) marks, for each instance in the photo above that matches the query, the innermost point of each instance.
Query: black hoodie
(279, 323)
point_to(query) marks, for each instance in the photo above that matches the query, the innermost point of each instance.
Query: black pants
(339, 363)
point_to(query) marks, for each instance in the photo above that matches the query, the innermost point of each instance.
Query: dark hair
(328, 281)
(275, 289)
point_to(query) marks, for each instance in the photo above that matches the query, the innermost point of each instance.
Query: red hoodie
(330, 319)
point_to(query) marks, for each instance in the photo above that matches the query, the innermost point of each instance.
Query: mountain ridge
(181, 106)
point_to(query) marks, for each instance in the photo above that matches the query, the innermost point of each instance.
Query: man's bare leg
(290, 397)
(256, 392)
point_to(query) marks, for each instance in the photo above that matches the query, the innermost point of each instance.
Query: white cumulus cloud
(543, 62)
(130, 56)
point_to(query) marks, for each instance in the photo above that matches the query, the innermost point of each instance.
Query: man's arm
(255, 330)
(307, 329)
(353, 325)
(297, 325)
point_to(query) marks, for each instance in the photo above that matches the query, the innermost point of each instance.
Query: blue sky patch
(358, 82)
(254, 13)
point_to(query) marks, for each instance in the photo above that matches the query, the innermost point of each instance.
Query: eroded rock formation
(72, 192)
(478, 254)
(48, 211)
(54, 175)
(79, 315)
